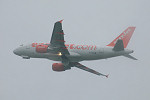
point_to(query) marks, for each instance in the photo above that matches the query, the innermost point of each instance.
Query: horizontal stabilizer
(129, 56)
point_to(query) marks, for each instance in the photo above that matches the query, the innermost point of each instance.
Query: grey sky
(85, 22)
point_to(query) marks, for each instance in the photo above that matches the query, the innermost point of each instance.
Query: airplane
(69, 55)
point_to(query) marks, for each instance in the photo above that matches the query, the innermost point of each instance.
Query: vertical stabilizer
(119, 45)
(124, 36)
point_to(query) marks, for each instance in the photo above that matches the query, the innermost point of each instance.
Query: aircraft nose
(16, 51)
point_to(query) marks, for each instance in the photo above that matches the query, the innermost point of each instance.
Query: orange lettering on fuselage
(80, 47)
(35, 44)
(71, 46)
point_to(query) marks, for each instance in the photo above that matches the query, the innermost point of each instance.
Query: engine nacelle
(41, 48)
(58, 67)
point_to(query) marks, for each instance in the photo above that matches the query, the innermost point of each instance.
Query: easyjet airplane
(69, 55)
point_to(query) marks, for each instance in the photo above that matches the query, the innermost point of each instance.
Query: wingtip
(107, 75)
(61, 21)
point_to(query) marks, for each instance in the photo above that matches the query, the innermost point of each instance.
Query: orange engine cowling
(41, 48)
(58, 67)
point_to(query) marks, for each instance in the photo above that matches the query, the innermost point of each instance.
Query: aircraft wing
(78, 65)
(57, 39)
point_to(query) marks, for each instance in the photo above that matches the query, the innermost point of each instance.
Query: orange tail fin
(125, 36)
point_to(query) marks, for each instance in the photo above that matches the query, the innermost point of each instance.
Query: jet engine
(41, 48)
(58, 67)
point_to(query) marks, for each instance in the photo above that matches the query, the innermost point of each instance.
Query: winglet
(61, 21)
(107, 75)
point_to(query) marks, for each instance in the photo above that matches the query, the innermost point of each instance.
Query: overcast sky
(85, 22)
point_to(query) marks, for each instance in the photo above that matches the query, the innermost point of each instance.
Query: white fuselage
(76, 54)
